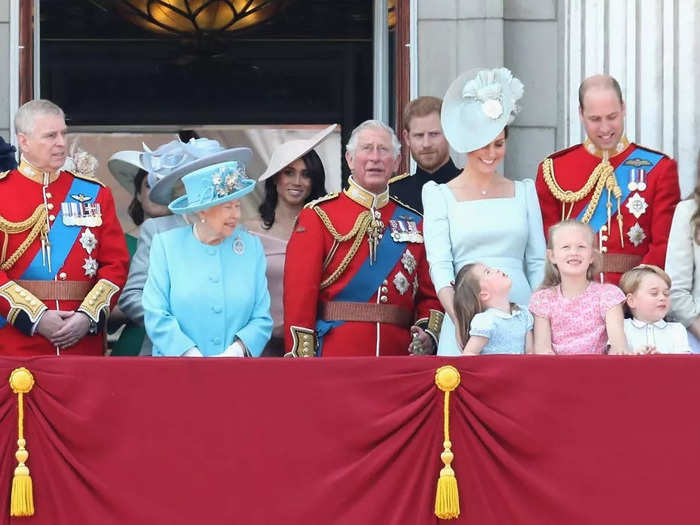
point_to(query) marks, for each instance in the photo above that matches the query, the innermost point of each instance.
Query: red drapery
(537, 439)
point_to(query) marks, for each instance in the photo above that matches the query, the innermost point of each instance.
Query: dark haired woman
(294, 177)
(683, 265)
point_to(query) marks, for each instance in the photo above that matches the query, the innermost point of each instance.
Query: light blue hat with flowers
(478, 105)
(213, 185)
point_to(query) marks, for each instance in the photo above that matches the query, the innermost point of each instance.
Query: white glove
(193, 352)
(234, 350)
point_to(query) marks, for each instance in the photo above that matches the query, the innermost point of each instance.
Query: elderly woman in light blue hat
(165, 166)
(480, 215)
(206, 292)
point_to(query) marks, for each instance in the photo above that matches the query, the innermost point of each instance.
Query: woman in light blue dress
(481, 216)
(206, 292)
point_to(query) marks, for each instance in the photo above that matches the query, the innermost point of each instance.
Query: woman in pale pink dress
(294, 176)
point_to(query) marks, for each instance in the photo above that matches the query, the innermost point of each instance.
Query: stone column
(651, 48)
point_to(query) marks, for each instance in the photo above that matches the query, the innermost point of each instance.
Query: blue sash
(368, 279)
(636, 158)
(61, 237)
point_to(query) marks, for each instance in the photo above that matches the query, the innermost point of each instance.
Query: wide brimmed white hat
(124, 166)
(287, 152)
(478, 105)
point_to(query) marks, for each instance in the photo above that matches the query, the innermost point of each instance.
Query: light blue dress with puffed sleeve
(206, 296)
(506, 332)
(504, 233)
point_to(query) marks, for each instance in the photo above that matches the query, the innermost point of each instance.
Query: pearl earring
(203, 219)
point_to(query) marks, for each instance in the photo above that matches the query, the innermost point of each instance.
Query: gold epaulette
(327, 197)
(83, 176)
(399, 177)
(98, 299)
(393, 198)
(21, 300)
(4, 174)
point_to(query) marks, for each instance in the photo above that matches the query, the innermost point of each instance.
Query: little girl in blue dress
(487, 322)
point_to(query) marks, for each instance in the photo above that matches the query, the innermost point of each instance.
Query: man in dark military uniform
(423, 136)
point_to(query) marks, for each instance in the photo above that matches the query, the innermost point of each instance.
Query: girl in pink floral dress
(573, 313)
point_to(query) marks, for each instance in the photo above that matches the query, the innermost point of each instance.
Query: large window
(310, 62)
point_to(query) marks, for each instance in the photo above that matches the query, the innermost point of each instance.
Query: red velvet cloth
(357, 441)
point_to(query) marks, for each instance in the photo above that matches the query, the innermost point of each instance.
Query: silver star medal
(88, 240)
(401, 283)
(408, 261)
(636, 234)
(637, 205)
(90, 267)
(238, 246)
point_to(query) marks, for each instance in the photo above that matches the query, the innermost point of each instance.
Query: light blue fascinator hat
(213, 185)
(172, 161)
(478, 105)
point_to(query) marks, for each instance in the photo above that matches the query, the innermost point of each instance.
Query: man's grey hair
(27, 114)
(377, 125)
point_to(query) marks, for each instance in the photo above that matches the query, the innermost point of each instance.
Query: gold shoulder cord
(603, 176)
(37, 223)
(358, 231)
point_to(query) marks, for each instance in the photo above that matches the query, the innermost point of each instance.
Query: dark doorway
(309, 63)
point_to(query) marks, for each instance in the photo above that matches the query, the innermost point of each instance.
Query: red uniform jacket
(21, 196)
(310, 245)
(574, 165)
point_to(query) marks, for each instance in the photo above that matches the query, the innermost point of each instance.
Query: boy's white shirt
(668, 338)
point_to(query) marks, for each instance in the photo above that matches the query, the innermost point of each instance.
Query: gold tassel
(447, 378)
(22, 498)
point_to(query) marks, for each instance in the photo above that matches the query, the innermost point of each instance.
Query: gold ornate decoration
(397, 178)
(324, 198)
(21, 300)
(447, 378)
(365, 198)
(22, 496)
(37, 225)
(34, 173)
(198, 17)
(304, 343)
(603, 177)
(358, 231)
(435, 323)
(98, 299)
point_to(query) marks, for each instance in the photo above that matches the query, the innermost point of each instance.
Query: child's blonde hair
(631, 279)
(552, 277)
(466, 300)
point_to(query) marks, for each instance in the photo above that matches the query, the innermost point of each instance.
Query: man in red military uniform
(626, 192)
(356, 278)
(64, 258)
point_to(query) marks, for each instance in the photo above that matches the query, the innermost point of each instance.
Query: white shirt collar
(641, 324)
